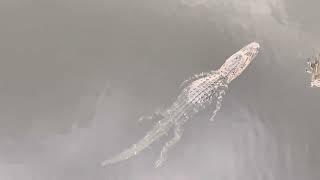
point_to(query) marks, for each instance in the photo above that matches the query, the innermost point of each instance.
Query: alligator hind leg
(158, 114)
(178, 131)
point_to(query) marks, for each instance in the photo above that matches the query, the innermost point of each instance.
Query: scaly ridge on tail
(160, 129)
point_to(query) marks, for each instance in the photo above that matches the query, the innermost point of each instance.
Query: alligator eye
(248, 53)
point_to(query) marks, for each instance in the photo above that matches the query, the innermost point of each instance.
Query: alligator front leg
(195, 77)
(218, 104)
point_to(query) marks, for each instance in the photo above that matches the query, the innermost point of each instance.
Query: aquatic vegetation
(314, 66)
(198, 92)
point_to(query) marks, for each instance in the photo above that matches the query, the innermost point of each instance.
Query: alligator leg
(218, 104)
(195, 77)
(158, 114)
(178, 131)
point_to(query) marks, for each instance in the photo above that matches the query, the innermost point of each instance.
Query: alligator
(198, 92)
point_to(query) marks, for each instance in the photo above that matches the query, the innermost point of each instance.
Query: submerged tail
(160, 129)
